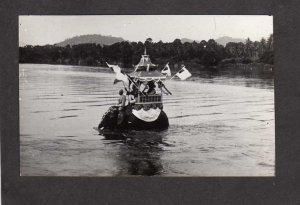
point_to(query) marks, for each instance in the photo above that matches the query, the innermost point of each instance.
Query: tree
(148, 40)
(249, 48)
(262, 47)
(270, 43)
(177, 49)
(208, 53)
(209, 59)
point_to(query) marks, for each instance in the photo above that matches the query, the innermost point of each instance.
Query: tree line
(206, 53)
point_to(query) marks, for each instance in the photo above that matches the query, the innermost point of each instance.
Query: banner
(183, 74)
(119, 75)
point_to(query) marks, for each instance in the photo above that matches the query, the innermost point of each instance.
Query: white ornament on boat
(147, 116)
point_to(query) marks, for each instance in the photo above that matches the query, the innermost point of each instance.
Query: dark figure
(151, 90)
(121, 104)
(115, 116)
(134, 91)
(122, 100)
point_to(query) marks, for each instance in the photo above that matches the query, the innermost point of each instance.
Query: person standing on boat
(122, 100)
(115, 113)
(121, 105)
(130, 101)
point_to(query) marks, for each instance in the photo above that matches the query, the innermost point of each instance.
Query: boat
(146, 111)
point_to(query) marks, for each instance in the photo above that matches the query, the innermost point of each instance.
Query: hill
(92, 38)
(226, 39)
(184, 40)
(222, 40)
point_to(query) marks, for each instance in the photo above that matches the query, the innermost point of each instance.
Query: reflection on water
(140, 154)
(220, 125)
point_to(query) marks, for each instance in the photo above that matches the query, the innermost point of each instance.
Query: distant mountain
(222, 40)
(92, 38)
(184, 40)
(226, 39)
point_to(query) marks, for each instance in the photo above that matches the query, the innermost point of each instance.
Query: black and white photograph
(146, 95)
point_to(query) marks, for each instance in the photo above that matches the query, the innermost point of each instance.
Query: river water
(219, 126)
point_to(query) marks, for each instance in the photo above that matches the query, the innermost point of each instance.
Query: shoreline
(225, 69)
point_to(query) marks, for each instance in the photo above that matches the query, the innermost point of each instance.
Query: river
(220, 125)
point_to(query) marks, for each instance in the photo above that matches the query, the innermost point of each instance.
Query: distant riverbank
(251, 57)
(250, 69)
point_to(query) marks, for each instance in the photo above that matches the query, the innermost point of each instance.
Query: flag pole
(173, 76)
(134, 84)
(166, 88)
(127, 78)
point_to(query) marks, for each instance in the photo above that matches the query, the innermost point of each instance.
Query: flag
(183, 74)
(114, 68)
(119, 75)
(166, 70)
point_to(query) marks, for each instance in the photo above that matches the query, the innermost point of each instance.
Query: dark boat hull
(111, 121)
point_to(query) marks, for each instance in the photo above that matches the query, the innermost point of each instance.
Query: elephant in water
(115, 119)
(110, 118)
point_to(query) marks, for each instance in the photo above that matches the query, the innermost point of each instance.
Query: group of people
(147, 88)
(130, 97)
(143, 88)
(125, 99)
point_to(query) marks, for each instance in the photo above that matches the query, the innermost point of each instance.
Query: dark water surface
(219, 126)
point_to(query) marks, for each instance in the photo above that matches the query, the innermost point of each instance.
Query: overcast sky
(41, 30)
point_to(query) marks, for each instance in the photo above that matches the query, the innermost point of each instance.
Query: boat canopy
(145, 64)
(145, 70)
(148, 75)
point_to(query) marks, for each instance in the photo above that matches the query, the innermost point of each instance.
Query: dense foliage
(126, 54)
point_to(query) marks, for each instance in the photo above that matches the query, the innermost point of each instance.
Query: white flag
(183, 74)
(122, 77)
(119, 75)
(114, 68)
(166, 70)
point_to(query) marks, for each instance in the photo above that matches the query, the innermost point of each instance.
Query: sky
(42, 30)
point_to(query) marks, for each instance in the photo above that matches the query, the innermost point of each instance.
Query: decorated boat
(141, 101)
